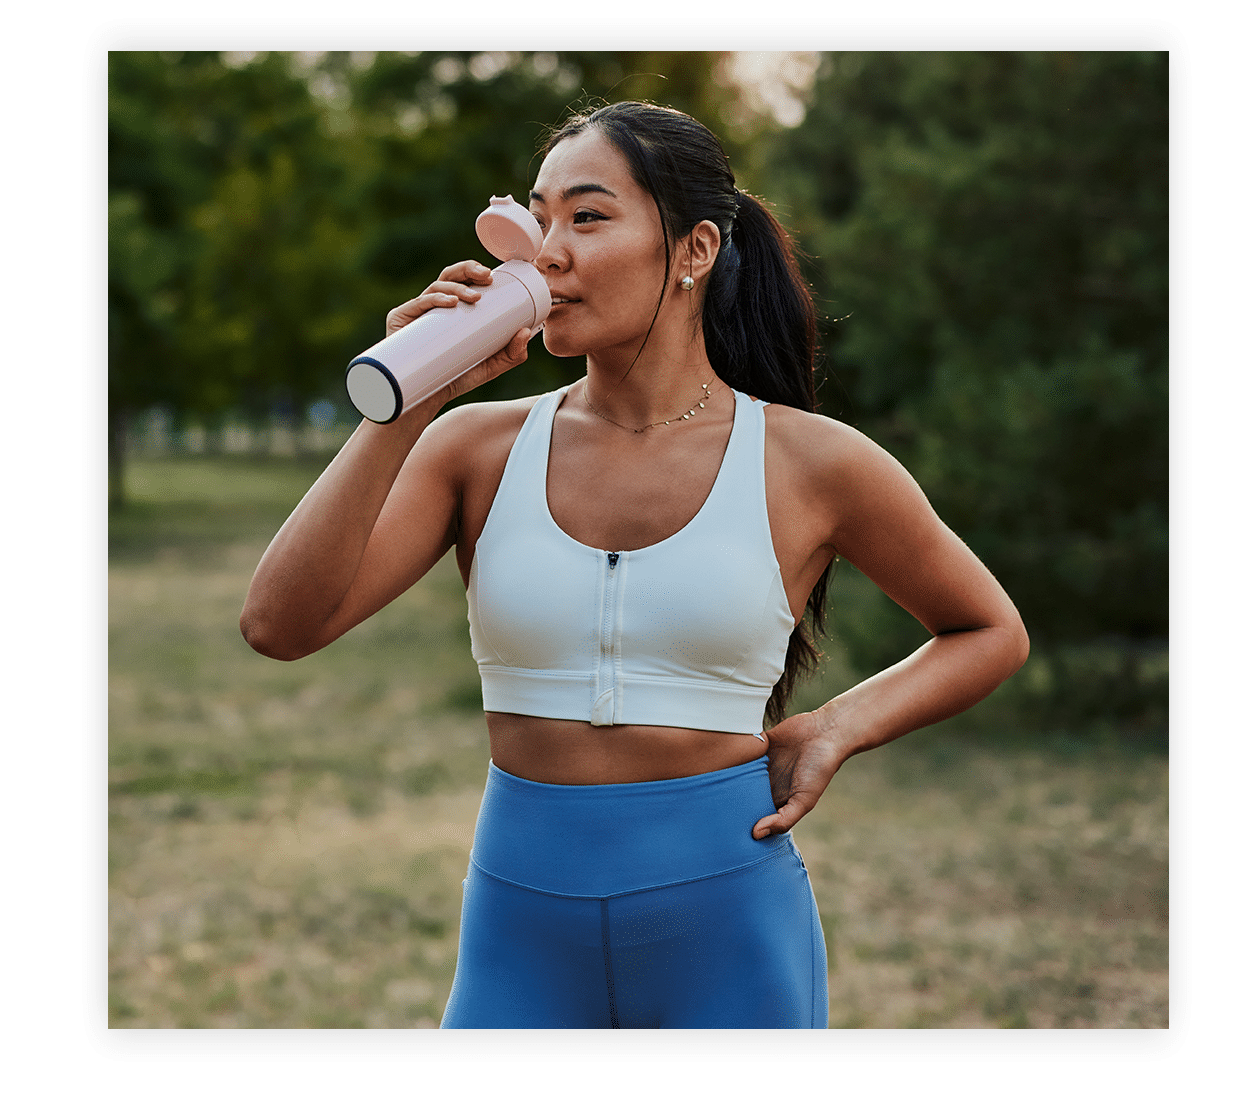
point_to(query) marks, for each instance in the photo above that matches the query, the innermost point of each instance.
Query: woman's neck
(665, 380)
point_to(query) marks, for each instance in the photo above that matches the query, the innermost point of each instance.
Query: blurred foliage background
(987, 239)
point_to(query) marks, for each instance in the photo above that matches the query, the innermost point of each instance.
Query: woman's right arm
(382, 513)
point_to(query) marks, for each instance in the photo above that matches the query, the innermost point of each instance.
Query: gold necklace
(705, 396)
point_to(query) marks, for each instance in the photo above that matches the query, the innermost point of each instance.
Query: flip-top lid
(509, 231)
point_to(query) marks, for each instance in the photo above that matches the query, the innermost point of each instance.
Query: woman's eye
(580, 217)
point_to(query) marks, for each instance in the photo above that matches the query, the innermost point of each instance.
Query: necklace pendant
(705, 388)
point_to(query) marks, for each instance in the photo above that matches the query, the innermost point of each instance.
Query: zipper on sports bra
(608, 624)
(603, 707)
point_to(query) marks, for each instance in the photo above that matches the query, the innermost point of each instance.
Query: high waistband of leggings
(617, 838)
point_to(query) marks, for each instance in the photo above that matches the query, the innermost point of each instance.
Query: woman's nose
(552, 255)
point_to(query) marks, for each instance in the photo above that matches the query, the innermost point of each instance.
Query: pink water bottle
(444, 343)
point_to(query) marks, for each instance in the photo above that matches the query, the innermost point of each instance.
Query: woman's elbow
(1018, 646)
(268, 641)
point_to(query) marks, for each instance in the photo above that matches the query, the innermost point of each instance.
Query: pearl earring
(687, 282)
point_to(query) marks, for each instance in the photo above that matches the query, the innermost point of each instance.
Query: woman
(639, 550)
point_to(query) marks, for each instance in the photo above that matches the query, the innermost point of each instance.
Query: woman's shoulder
(833, 459)
(478, 433)
(489, 416)
(814, 438)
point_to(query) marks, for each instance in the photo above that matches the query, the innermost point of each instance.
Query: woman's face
(603, 256)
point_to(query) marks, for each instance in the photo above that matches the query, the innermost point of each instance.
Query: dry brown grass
(287, 842)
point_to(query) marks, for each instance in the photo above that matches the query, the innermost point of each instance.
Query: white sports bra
(691, 631)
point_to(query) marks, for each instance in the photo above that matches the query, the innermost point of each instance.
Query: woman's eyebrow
(577, 189)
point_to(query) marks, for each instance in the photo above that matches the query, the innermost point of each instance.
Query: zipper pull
(613, 556)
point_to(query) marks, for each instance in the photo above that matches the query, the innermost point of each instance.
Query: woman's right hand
(459, 282)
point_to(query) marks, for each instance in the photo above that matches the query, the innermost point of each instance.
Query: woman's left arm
(882, 524)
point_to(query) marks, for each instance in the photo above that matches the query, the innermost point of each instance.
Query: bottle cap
(509, 231)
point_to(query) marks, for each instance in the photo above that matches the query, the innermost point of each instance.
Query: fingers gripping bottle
(415, 361)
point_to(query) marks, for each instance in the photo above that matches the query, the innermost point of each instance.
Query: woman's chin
(555, 343)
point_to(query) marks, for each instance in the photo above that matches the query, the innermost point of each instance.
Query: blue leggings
(636, 905)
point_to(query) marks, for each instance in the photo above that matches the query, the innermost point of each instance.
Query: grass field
(287, 841)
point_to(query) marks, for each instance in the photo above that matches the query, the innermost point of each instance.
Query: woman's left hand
(802, 758)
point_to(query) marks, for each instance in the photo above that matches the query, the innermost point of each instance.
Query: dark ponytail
(760, 332)
(758, 318)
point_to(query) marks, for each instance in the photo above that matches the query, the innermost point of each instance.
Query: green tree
(230, 238)
(991, 234)
(156, 170)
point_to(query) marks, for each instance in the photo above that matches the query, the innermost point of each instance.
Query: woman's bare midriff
(548, 750)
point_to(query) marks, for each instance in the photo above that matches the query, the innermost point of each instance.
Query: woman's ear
(703, 244)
